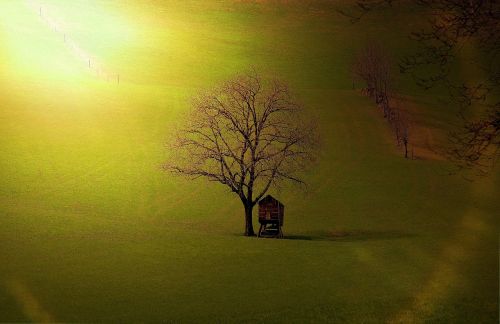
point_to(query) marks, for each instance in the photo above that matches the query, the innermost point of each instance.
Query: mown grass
(91, 229)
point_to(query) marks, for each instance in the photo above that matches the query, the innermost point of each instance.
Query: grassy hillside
(91, 229)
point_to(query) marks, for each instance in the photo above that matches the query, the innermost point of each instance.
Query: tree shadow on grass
(352, 236)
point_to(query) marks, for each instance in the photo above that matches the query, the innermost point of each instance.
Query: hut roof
(268, 199)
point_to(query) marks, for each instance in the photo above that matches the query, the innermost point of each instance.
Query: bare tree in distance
(372, 66)
(249, 135)
(402, 125)
(453, 25)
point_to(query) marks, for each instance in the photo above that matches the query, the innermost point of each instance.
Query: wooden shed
(271, 214)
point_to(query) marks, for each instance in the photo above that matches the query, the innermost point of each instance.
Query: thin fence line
(86, 58)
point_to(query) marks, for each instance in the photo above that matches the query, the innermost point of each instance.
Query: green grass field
(92, 229)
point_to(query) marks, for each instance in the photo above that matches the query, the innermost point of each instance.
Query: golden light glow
(30, 305)
(61, 40)
(58, 28)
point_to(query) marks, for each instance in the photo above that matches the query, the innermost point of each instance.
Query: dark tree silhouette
(248, 135)
(452, 26)
(478, 145)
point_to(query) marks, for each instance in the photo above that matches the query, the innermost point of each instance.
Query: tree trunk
(406, 149)
(248, 221)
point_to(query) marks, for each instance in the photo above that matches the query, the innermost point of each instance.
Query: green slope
(91, 229)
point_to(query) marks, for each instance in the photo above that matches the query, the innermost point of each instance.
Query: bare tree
(372, 66)
(402, 126)
(247, 134)
(452, 26)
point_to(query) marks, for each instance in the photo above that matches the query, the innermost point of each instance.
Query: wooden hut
(271, 213)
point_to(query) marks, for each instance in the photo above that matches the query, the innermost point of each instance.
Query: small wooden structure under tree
(271, 213)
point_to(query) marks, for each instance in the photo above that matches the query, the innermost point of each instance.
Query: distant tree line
(372, 66)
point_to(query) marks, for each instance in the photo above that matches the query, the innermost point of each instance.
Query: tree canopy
(247, 134)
